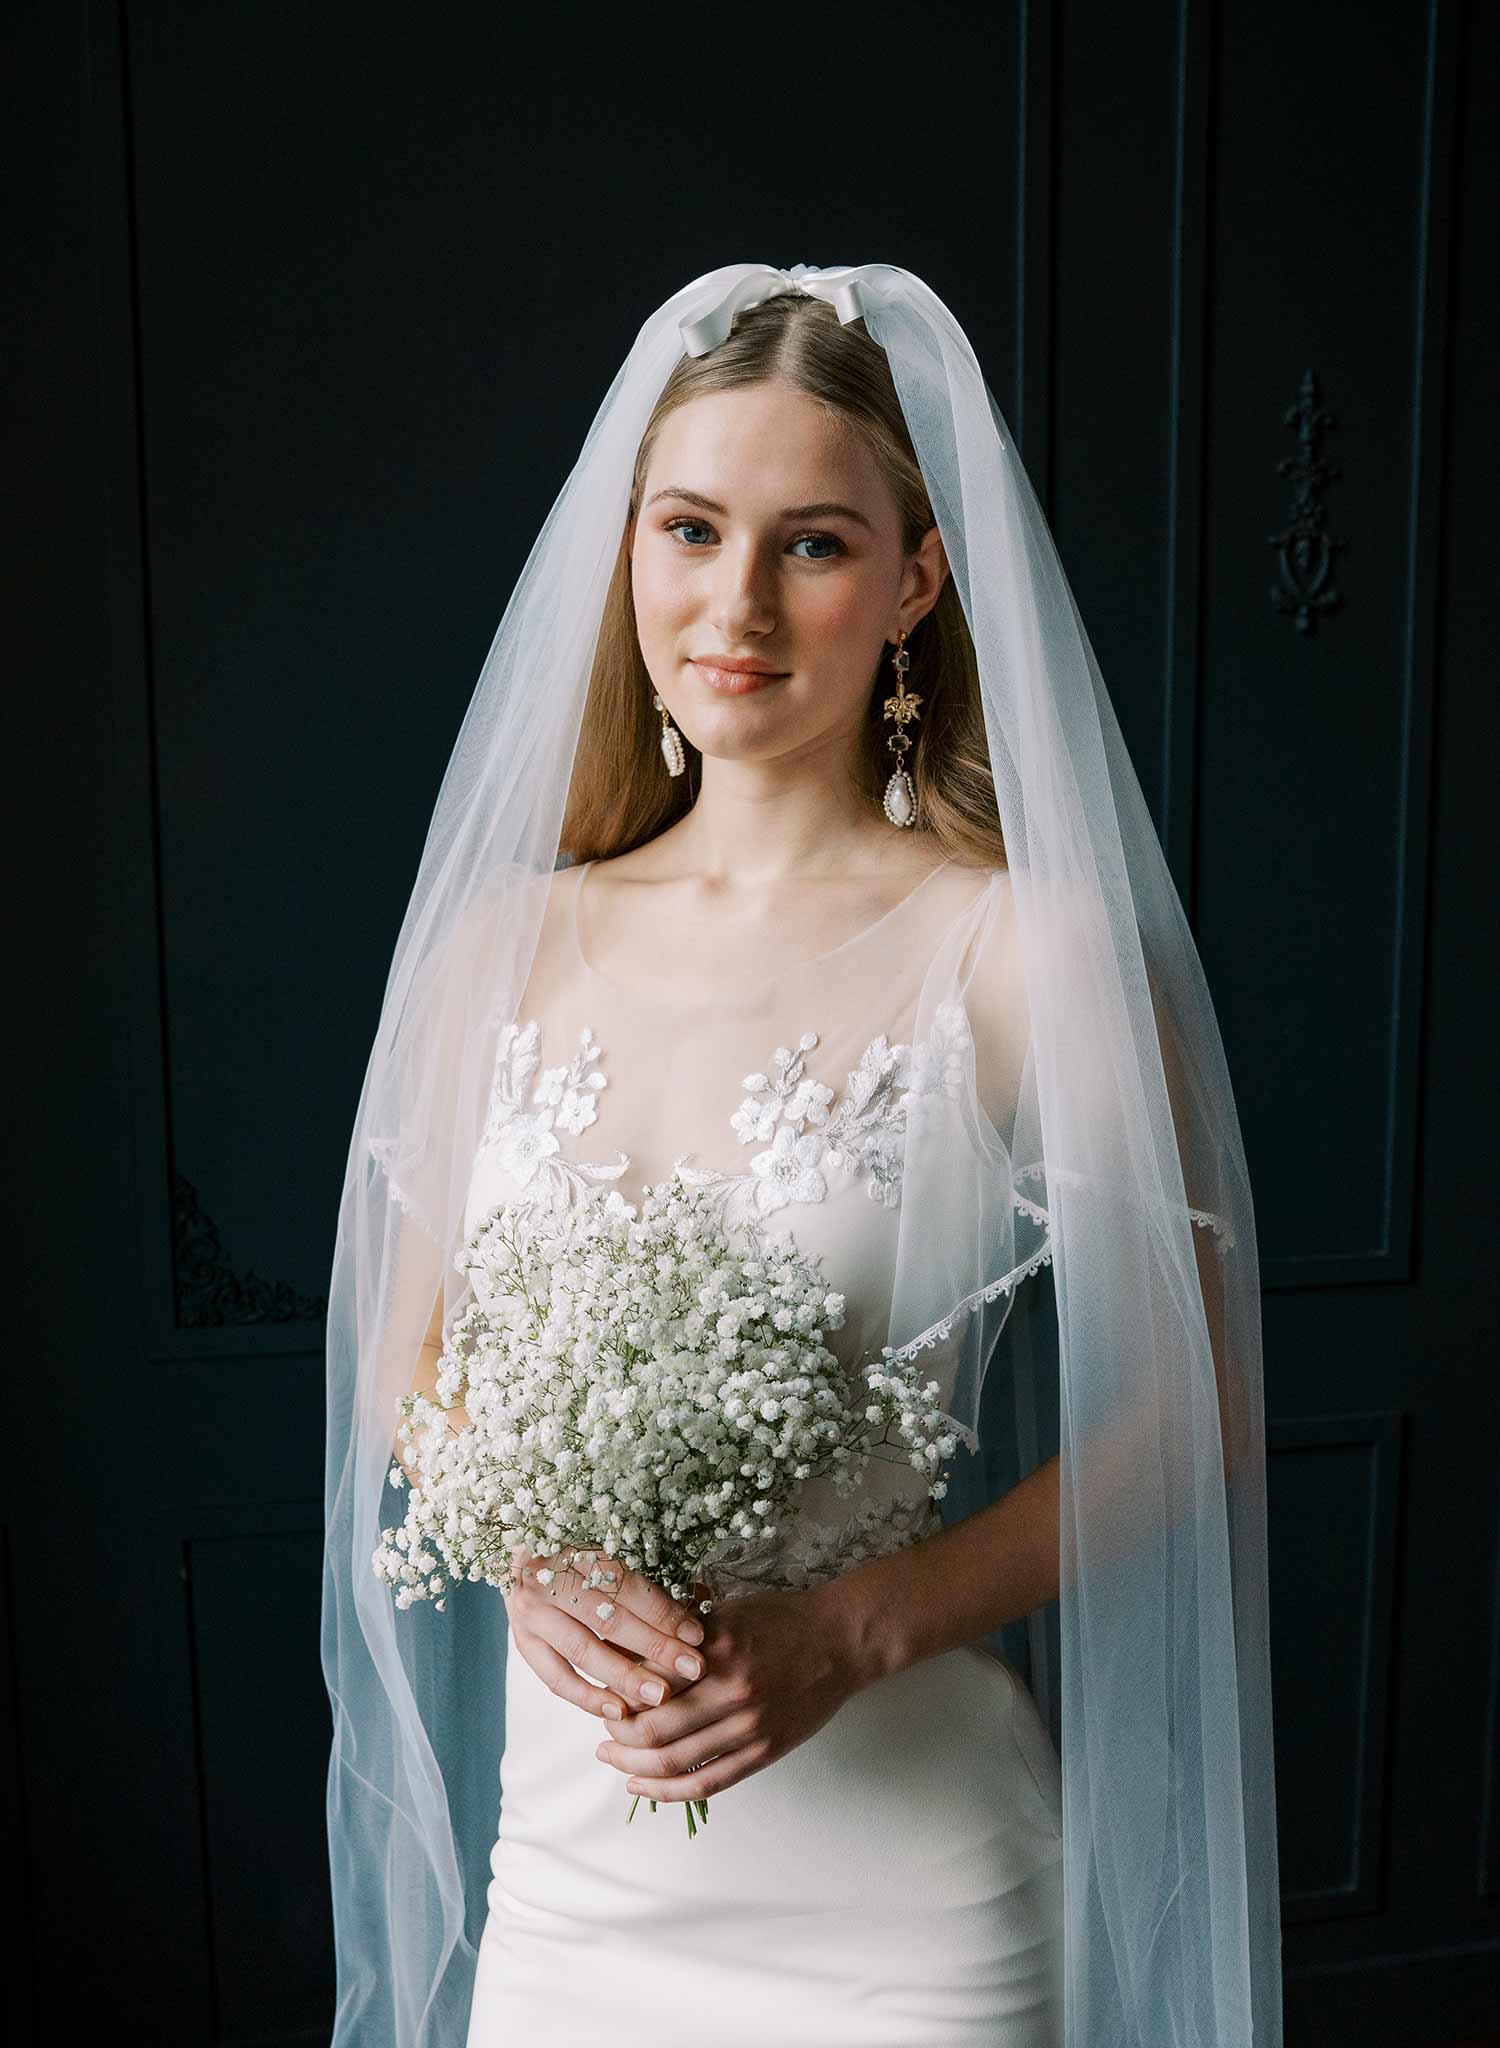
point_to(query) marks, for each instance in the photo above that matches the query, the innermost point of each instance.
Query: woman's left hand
(777, 1665)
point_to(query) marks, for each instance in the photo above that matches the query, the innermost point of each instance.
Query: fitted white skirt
(893, 1882)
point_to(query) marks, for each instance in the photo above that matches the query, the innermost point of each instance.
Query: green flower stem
(691, 1807)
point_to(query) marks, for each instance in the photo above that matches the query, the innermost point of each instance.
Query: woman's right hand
(636, 1648)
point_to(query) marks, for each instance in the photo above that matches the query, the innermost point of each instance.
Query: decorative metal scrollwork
(209, 1294)
(1306, 549)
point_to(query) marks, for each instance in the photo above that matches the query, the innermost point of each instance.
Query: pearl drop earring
(900, 804)
(671, 739)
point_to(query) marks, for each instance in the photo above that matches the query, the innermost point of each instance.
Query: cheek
(836, 610)
(833, 602)
(659, 588)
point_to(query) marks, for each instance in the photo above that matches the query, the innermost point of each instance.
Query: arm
(429, 1357)
(1003, 1561)
(424, 1381)
(953, 1587)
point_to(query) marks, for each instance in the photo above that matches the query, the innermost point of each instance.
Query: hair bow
(837, 283)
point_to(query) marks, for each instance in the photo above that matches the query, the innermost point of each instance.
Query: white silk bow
(838, 283)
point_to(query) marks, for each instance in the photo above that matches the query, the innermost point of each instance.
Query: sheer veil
(1075, 1254)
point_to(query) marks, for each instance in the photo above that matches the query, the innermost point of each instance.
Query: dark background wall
(310, 309)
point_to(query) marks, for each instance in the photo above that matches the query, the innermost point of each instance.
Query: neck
(762, 823)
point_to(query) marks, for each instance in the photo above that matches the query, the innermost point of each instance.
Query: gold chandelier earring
(900, 803)
(671, 738)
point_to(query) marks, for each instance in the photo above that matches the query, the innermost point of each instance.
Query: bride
(790, 845)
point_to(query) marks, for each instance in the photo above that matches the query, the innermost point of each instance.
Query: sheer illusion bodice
(787, 1097)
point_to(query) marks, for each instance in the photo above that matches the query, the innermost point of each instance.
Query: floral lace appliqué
(863, 1132)
(564, 1098)
(805, 1131)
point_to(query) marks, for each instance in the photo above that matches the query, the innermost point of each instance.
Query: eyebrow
(827, 510)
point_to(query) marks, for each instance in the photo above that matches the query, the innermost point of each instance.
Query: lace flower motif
(565, 1099)
(788, 1108)
(865, 1132)
(803, 1130)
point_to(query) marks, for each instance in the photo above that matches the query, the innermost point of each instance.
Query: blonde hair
(620, 794)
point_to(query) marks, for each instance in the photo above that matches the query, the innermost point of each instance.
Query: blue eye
(838, 545)
(675, 525)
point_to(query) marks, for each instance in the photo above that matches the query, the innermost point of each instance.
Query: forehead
(764, 442)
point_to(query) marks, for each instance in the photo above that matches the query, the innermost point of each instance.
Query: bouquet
(643, 1385)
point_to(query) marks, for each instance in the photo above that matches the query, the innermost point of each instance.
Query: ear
(925, 573)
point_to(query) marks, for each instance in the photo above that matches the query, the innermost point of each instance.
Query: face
(766, 531)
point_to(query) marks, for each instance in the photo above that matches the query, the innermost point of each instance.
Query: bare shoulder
(961, 884)
(554, 950)
(995, 997)
(557, 905)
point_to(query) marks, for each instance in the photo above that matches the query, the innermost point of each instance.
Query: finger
(656, 1607)
(611, 1621)
(558, 1676)
(633, 1593)
(663, 1745)
(722, 1771)
(638, 1616)
(677, 1683)
(628, 1676)
(669, 1657)
(576, 1648)
(621, 1674)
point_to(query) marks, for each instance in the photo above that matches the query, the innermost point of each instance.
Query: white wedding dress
(864, 1890)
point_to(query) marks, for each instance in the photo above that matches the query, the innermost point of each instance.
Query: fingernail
(690, 1631)
(611, 1711)
(602, 1752)
(688, 1666)
(653, 1690)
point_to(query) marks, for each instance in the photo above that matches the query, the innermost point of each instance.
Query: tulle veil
(1076, 1259)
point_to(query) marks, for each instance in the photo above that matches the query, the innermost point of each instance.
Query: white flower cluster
(639, 1385)
(824, 1550)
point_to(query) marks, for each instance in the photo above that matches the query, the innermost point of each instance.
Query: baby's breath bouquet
(648, 1386)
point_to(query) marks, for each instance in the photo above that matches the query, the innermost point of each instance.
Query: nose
(743, 598)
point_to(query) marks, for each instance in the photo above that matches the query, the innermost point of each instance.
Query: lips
(735, 682)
